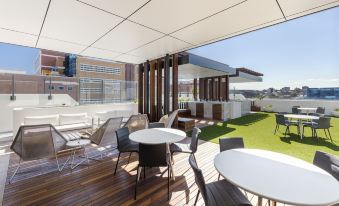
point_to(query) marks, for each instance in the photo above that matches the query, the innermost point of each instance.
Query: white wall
(285, 105)
(20, 113)
(28, 100)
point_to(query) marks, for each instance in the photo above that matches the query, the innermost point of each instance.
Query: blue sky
(303, 51)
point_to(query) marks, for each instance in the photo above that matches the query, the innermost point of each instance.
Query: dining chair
(327, 162)
(124, 145)
(320, 110)
(295, 110)
(228, 143)
(322, 123)
(137, 122)
(190, 148)
(152, 156)
(280, 120)
(35, 142)
(217, 193)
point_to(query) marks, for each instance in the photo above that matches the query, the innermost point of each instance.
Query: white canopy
(134, 31)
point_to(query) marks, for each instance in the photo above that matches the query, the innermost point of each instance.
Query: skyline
(300, 52)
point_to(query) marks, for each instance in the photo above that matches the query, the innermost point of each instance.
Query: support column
(159, 89)
(195, 89)
(219, 88)
(140, 90)
(152, 92)
(167, 85)
(205, 89)
(201, 89)
(227, 88)
(175, 86)
(212, 89)
(146, 87)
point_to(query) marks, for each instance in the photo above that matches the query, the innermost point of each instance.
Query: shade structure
(140, 30)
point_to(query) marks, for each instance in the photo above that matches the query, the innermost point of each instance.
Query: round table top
(78, 142)
(307, 108)
(157, 136)
(278, 177)
(301, 116)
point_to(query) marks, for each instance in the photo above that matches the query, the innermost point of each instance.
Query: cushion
(47, 119)
(76, 126)
(65, 119)
(164, 119)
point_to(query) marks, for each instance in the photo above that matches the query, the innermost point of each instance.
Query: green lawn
(258, 132)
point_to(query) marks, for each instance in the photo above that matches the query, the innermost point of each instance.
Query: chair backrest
(34, 142)
(280, 119)
(199, 178)
(153, 155)
(194, 139)
(324, 123)
(171, 119)
(295, 109)
(327, 162)
(231, 143)
(106, 131)
(122, 135)
(320, 110)
(137, 122)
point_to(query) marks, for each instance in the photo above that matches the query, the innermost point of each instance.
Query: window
(50, 87)
(69, 88)
(99, 69)
(61, 87)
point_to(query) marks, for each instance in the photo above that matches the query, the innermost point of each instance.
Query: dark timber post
(12, 98)
(227, 88)
(146, 88)
(159, 89)
(206, 89)
(167, 85)
(195, 89)
(175, 86)
(212, 89)
(140, 90)
(201, 89)
(219, 88)
(152, 91)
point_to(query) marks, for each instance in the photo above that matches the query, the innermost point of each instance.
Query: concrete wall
(285, 105)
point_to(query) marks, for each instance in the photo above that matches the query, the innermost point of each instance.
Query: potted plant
(254, 108)
(336, 112)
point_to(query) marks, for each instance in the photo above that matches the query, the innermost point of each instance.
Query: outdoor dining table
(277, 177)
(307, 110)
(300, 118)
(159, 136)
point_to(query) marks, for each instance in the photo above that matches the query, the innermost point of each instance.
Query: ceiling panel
(180, 13)
(127, 36)
(100, 53)
(160, 47)
(23, 16)
(241, 17)
(130, 59)
(76, 22)
(293, 9)
(12, 37)
(122, 8)
(56, 45)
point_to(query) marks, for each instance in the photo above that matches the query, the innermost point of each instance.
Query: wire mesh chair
(327, 162)
(295, 110)
(34, 142)
(171, 118)
(137, 122)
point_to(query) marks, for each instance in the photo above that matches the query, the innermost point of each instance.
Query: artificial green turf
(258, 132)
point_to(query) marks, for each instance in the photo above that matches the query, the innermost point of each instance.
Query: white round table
(301, 118)
(158, 136)
(277, 177)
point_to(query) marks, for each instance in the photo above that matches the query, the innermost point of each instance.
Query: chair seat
(132, 147)
(225, 193)
(290, 123)
(179, 147)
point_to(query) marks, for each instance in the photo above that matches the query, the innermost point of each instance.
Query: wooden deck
(96, 185)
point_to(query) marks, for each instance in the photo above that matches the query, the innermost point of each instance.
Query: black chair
(295, 110)
(322, 123)
(187, 148)
(156, 125)
(320, 110)
(152, 156)
(280, 120)
(230, 143)
(125, 144)
(217, 193)
(327, 162)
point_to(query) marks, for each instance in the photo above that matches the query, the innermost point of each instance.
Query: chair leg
(16, 170)
(276, 128)
(129, 157)
(144, 172)
(329, 134)
(116, 165)
(168, 183)
(136, 184)
(325, 133)
(219, 177)
(195, 159)
(286, 131)
(196, 199)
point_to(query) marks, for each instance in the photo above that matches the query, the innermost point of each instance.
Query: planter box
(255, 108)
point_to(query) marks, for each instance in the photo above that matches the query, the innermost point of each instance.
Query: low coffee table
(79, 143)
(186, 124)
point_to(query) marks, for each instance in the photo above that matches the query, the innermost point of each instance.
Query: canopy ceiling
(134, 31)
